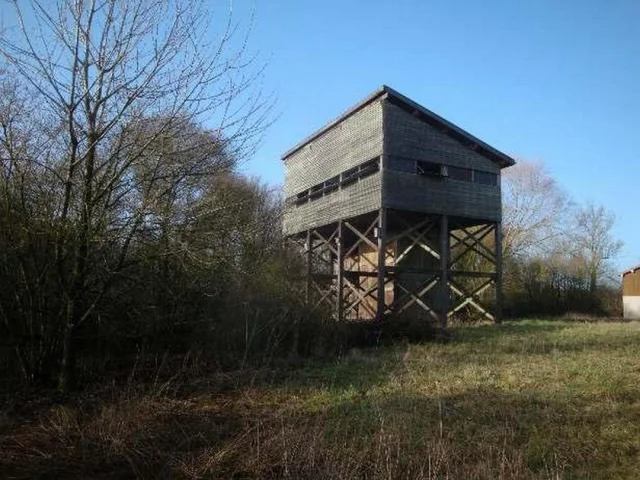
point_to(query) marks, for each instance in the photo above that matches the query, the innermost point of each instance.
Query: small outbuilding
(631, 293)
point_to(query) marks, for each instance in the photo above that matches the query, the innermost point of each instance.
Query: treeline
(127, 232)
(558, 255)
(159, 245)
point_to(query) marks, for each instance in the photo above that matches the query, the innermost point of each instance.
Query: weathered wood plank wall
(407, 137)
(386, 127)
(356, 139)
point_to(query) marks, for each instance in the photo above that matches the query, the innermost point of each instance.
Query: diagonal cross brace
(410, 297)
(473, 242)
(471, 298)
(361, 298)
(417, 239)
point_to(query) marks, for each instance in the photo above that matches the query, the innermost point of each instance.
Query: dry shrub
(231, 436)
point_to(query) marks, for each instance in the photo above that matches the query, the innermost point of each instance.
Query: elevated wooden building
(398, 211)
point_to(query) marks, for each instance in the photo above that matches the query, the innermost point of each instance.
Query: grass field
(528, 399)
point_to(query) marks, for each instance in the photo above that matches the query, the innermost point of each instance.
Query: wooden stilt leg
(499, 291)
(309, 252)
(444, 271)
(382, 227)
(340, 273)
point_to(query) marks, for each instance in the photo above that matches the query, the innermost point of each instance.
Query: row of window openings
(424, 168)
(344, 179)
(462, 174)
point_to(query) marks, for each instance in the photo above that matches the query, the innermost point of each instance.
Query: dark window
(332, 181)
(429, 169)
(291, 201)
(485, 178)
(349, 176)
(363, 170)
(316, 191)
(400, 164)
(302, 197)
(332, 184)
(370, 167)
(459, 173)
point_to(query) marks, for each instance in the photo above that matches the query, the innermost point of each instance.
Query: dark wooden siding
(408, 191)
(631, 284)
(384, 128)
(356, 139)
(408, 136)
(411, 138)
(357, 199)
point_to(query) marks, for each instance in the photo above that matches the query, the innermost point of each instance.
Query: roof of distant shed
(424, 114)
(631, 270)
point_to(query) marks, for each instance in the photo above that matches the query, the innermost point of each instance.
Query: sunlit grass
(529, 399)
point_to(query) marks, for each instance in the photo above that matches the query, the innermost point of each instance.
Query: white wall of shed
(631, 307)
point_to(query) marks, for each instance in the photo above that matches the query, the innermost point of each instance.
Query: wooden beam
(399, 303)
(382, 233)
(309, 255)
(413, 297)
(410, 229)
(417, 239)
(363, 237)
(361, 298)
(358, 273)
(324, 295)
(359, 240)
(340, 273)
(471, 274)
(473, 243)
(326, 242)
(471, 298)
(444, 271)
(499, 290)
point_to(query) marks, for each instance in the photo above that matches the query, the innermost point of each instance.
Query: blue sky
(555, 81)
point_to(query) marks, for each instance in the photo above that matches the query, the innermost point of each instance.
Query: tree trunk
(66, 379)
(593, 282)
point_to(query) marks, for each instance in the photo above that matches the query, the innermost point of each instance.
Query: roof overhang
(423, 114)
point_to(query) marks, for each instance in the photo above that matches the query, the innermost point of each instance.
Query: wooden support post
(340, 273)
(499, 291)
(382, 233)
(309, 252)
(445, 295)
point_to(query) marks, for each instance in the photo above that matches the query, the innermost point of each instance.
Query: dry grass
(526, 400)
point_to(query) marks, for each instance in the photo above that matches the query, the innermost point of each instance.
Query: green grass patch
(528, 399)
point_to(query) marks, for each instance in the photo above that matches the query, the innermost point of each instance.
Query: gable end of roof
(631, 270)
(424, 114)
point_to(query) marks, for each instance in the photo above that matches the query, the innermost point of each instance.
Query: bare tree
(534, 211)
(100, 69)
(593, 242)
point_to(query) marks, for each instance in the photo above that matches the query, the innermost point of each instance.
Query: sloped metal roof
(424, 114)
(631, 270)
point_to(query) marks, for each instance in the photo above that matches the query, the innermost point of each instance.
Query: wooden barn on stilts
(398, 211)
